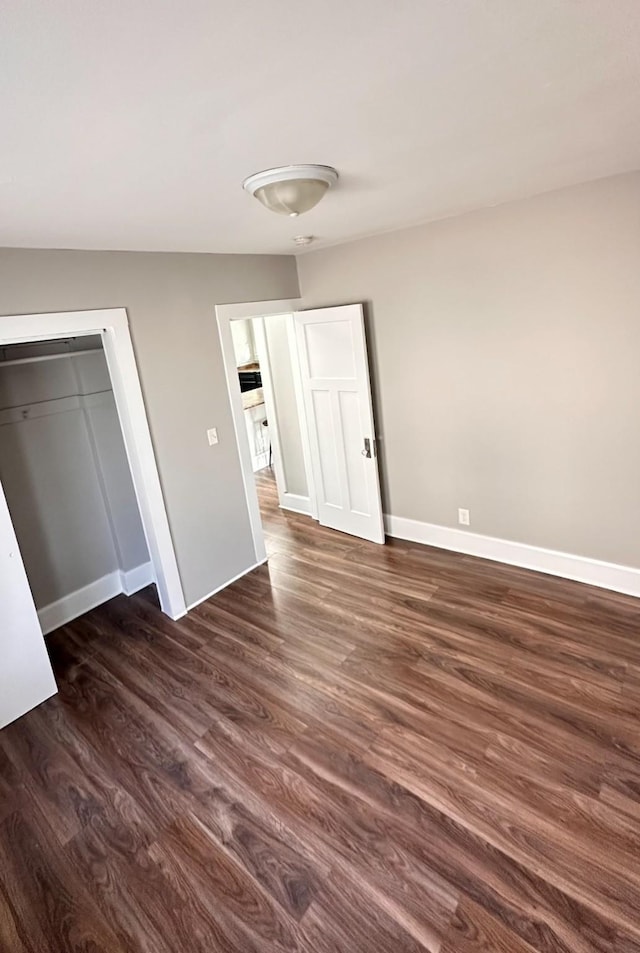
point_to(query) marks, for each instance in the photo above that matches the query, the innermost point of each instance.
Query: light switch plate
(212, 436)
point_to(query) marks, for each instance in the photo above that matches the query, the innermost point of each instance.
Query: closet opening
(80, 497)
(66, 478)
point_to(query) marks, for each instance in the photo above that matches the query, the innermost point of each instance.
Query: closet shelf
(48, 357)
(57, 405)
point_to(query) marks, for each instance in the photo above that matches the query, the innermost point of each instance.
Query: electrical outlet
(212, 436)
(463, 517)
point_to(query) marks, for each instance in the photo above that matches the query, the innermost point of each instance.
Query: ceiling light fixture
(291, 189)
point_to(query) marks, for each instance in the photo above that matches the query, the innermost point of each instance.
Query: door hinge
(369, 448)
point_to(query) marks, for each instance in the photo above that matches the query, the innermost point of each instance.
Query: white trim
(296, 503)
(112, 324)
(273, 428)
(225, 314)
(305, 440)
(77, 603)
(593, 572)
(133, 580)
(228, 583)
(121, 362)
(94, 594)
(256, 309)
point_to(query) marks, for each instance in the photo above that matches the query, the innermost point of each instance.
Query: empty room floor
(357, 749)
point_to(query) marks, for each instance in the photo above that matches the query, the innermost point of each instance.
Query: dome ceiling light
(291, 189)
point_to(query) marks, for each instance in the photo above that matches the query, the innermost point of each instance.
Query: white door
(26, 677)
(337, 399)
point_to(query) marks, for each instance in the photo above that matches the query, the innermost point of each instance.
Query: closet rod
(47, 357)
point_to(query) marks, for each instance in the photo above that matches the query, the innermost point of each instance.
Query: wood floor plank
(531, 907)
(352, 748)
(534, 842)
(349, 837)
(474, 930)
(462, 613)
(342, 919)
(52, 778)
(128, 889)
(49, 905)
(245, 900)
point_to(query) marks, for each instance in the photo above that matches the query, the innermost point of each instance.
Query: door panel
(330, 350)
(355, 463)
(337, 396)
(328, 459)
(26, 677)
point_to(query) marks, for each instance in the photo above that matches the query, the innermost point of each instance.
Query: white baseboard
(224, 586)
(136, 579)
(77, 603)
(296, 503)
(593, 572)
(83, 600)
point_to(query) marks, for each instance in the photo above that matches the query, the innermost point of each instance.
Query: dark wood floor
(359, 749)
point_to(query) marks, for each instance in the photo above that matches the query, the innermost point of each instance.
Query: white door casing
(337, 395)
(26, 677)
(113, 326)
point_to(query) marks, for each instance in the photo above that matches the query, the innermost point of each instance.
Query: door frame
(113, 327)
(288, 500)
(225, 314)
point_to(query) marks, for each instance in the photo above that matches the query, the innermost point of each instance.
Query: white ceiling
(130, 124)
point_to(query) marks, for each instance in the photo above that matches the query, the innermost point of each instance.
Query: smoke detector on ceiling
(304, 239)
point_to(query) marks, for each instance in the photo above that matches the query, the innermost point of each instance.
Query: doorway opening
(77, 464)
(301, 398)
(66, 479)
(272, 408)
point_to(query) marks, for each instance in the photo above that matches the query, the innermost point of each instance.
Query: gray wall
(112, 465)
(65, 473)
(505, 347)
(58, 511)
(284, 396)
(170, 300)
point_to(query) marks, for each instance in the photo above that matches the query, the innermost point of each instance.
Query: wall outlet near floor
(212, 436)
(463, 517)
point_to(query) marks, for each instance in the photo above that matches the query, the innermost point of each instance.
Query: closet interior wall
(66, 477)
